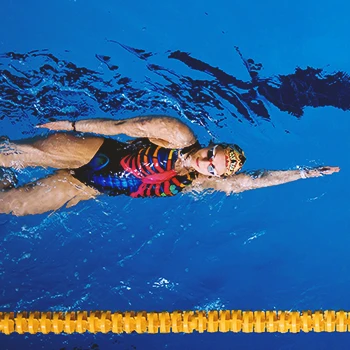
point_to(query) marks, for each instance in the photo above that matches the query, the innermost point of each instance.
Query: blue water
(284, 247)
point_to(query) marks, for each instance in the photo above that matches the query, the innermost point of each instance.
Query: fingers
(50, 126)
(42, 126)
(59, 125)
(328, 170)
(319, 171)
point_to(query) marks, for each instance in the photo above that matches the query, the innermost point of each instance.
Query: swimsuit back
(137, 169)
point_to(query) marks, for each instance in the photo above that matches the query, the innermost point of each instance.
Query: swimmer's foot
(8, 179)
(4, 141)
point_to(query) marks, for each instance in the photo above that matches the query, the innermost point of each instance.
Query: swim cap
(234, 158)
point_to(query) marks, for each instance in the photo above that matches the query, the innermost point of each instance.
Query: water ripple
(45, 87)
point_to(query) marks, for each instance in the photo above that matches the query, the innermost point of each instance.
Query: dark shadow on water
(39, 84)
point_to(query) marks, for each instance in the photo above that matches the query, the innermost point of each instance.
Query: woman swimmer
(165, 159)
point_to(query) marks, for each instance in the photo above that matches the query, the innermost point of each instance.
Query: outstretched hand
(321, 170)
(65, 125)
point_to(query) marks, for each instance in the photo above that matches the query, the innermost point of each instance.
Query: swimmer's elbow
(229, 185)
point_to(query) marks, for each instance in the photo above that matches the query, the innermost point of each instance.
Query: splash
(42, 86)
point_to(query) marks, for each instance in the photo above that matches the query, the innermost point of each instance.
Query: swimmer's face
(209, 161)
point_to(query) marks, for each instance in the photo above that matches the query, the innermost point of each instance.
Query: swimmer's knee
(8, 204)
(53, 140)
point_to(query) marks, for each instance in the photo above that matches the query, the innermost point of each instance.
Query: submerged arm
(244, 182)
(161, 130)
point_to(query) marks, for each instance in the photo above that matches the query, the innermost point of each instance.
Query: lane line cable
(174, 322)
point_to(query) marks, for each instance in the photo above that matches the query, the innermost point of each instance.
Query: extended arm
(164, 131)
(244, 182)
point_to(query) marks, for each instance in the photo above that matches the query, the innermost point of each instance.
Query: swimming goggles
(211, 155)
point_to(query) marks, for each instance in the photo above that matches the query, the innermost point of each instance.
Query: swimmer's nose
(204, 161)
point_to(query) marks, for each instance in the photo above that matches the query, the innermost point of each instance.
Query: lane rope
(174, 322)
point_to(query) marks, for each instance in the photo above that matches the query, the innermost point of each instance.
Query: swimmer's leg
(46, 194)
(58, 151)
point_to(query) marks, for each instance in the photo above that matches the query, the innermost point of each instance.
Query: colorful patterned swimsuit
(138, 169)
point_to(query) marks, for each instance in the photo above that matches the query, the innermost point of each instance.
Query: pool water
(270, 76)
